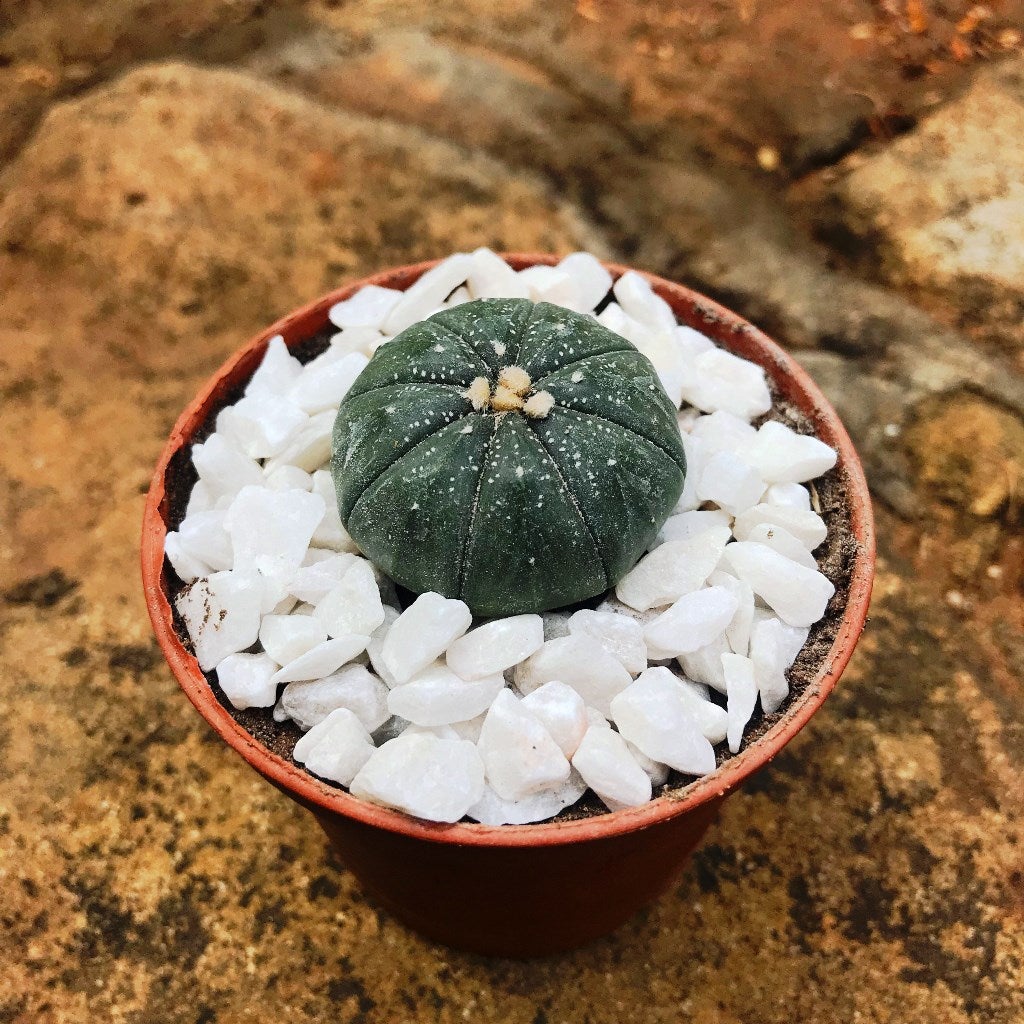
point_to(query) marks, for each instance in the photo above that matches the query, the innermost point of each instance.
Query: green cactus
(513, 454)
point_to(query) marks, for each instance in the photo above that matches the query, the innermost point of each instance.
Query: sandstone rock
(168, 175)
(970, 453)
(944, 205)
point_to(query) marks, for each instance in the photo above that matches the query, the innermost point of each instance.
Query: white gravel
(507, 721)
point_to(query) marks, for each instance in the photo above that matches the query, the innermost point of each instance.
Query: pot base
(516, 901)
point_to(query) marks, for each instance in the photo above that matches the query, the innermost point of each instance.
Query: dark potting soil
(835, 559)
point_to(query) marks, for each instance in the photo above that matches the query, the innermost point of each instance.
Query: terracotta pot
(531, 889)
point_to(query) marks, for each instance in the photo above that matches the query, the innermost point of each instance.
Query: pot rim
(318, 795)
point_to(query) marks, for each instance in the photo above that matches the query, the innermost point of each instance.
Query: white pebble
(616, 320)
(561, 711)
(697, 455)
(782, 456)
(797, 594)
(470, 729)
(672, 570)
(422, 633)
(202, 499)
(620, 635)
(711, 719)
(495, 646)
(724, 381)
(730, 483)
(202, 535)
(491, 809)
(330, 533)
(323, 384)
(223, 468)
(490, 277)
(774, 647)
(591, 279)
(323, 660)
(369, 307)
(610, 770)
(738, 630)
(287, 637)
(638, 300)
(437, 696)
(691, 342)
(702, 690)
(354, 604)
(375, 648)
(742, 694)
(277, 370)
(222, 614)
(188, 567)
(288, 478)
(313, 582)
(723, 432)
(684, 525)
(549, 284)
(778, 539)
(336, 748)
(519, 754)
(705, 666)
(655, 770)
(311, 447)
(247, 680)
(424, 775)
(808, 527)
(659, 346)
(353, 339)
(693, 621)
(271, 530)
(788, 496)
(653, 714)
(353, 687)
(429, 291)
(262, 424)
(575, 660)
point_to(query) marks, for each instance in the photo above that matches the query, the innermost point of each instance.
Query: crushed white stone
(520, 755)
(491, 809)
(422, 633)
(222, 615)
(437, 696)
(414, 709)
(355, 688)
(247, 680)
(619, 635)
(495, 646)
(425, 775)
(693, 621)
(742, 694)
(673, 569)
(653, 714)
(323, 660)
(592, 672)
(336, 748)
(561, 711)
(610, 770)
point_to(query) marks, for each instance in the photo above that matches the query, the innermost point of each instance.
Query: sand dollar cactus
(515, 455)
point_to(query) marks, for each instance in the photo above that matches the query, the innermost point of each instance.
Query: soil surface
(174, 177)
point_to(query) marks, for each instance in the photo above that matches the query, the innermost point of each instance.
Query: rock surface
(944, 205)
(153, 224)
